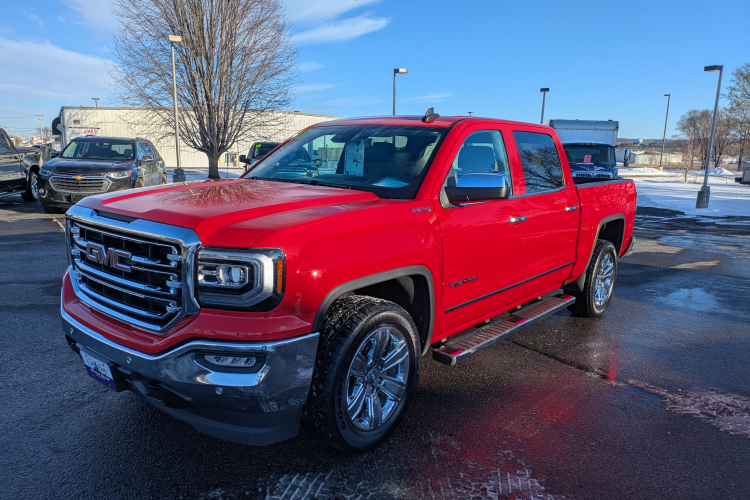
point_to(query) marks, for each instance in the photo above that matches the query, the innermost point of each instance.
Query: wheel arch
(410, 287)
(612, 229)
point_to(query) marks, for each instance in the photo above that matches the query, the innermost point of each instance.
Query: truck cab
(589, 147)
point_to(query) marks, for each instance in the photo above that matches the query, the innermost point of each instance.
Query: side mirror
(243, 159)
(317, 163)
(626, 158)
(478, 187)
(54, 154)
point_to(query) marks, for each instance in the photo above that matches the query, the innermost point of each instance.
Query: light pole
(664, 137)
(96, 101)
(396, 71)
(705, 193)
(544, 97)
(178, 175)
(41, 135)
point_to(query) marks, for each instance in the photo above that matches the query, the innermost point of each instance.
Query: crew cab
(240, 306)
(19, 169)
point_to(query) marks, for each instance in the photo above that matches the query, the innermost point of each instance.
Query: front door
(553, 212)
(11, 166)
(484, 244)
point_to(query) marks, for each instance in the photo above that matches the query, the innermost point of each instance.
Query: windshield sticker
(355, 157)
(587, 159)
(390, 182)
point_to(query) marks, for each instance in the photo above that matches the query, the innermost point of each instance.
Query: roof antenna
(430, 115)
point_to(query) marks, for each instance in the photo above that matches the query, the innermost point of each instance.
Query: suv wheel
(599, 284)
(139, 182)
(32, 187)
(365, 373)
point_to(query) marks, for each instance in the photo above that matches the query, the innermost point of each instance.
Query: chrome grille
(141, 279)
(71, 184)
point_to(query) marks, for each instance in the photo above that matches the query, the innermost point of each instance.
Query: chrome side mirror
(626, 158)
(478, 187)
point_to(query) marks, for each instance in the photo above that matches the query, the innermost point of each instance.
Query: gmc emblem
(107, 256)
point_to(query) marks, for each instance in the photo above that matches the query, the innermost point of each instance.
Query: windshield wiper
(329, 184)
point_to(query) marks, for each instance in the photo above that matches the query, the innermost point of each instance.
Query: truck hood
(88, 167)
(230, 213)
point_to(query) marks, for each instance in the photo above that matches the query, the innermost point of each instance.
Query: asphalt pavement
(650, 401)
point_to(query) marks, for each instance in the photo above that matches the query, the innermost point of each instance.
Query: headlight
(119, 175)
(43, 172)
(246, 280)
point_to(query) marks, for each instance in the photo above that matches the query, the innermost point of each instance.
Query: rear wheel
(139, 182)
(365, 374)
(599, 283)
(32, 187)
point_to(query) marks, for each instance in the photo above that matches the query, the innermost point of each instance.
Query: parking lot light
(397, 71)
(664, 137)
(544, 91)
(179, 175)
(705, 193)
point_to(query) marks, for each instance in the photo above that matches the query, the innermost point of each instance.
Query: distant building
(649, 158)
(135, 122)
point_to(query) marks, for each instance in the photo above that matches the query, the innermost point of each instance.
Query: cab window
(541, 163)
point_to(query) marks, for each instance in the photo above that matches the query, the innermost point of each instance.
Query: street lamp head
(667, 95)
(545, 89)
(718, 67)
(399, 71)
(175, 38)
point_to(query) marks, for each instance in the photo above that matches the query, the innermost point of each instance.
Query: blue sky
(601, 60)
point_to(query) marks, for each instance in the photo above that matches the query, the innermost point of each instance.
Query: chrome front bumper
(252, 408)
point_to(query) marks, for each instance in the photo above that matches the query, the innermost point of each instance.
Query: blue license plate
(98, 369)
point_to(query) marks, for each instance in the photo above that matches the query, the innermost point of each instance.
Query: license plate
(98, 369)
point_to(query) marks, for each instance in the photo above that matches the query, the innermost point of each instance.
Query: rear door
(146, 163)
(483, 250)
(552, 210)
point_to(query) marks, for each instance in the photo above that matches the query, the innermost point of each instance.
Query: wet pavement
(650, 401)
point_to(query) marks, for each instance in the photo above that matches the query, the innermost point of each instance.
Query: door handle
(513, 220)
(571, 209)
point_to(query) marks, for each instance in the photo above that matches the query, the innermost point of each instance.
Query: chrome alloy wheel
(603, 287)
(34, 185)
(376, 381)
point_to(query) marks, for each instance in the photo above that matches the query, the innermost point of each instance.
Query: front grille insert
(87, 185)
(138, 278)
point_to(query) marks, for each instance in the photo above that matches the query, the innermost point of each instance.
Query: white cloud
(362, 100)
(313, 87)
(341, 30)
(310, 66)
(438, 97)
(30, 14)
(322, 10)
(78, 77)
(96, 14)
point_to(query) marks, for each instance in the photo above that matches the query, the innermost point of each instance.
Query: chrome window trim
(182, 238)
(564, 186)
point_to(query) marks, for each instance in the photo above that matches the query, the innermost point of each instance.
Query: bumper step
(464, 346)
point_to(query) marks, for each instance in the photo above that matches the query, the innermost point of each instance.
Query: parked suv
(257, 152)
(19, 169)
(93, 165)
(241, 305)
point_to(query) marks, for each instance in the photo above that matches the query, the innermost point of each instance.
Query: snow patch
(729, 412)
(726, 199)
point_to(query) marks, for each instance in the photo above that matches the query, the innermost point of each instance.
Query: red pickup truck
(313, 285)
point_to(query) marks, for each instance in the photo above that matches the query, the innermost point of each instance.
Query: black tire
(32, 187)
(348, 328)
(53, 210)
(586, 304)
(139, 183)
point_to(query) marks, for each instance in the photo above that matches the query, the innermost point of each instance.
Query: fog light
(231, 361)
(42, 191)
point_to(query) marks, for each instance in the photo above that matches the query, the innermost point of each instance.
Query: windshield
(603, 156)
(262, 149)
(99, 150)
(386, 160)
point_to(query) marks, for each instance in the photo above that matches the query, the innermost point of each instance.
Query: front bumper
(251, 408)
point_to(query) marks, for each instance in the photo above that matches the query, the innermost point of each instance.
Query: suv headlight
(43, 172)
(119, 175)
(246, 280)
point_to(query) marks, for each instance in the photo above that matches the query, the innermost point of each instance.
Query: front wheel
(599, 283)
(32, 188)
(365, 374)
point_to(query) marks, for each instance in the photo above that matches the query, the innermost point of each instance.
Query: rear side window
(541, 163)
(3, 142)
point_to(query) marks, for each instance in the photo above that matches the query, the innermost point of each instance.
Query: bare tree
(723, 136)
(236, 68)
(689, 128)
(739, 98)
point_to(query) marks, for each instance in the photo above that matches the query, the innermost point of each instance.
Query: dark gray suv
(94, 165)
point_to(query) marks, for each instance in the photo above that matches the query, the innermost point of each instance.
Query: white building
(135, 122)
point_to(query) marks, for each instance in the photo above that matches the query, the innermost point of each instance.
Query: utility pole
(41, 136)
(544, 97)
(664, 137)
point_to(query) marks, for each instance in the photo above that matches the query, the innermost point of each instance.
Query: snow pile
(726, 199)
(639, 171)
(721, 171)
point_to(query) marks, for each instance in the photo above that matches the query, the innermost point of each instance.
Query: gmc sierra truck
(240, 306)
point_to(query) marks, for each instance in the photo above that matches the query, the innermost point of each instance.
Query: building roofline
(119, 108)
